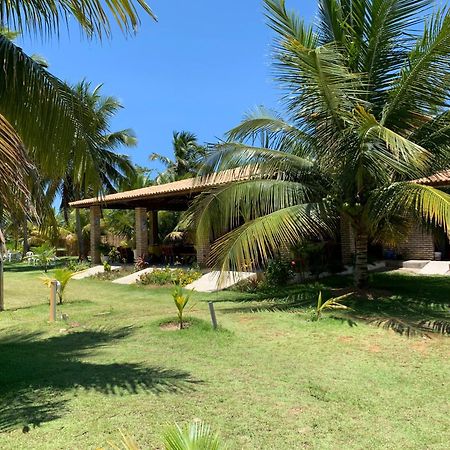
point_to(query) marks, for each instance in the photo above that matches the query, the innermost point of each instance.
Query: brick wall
(419, 245)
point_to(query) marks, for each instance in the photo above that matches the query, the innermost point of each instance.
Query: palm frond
(397, 152)
(95, 17)
(197, 436)
(320, 86)
(15, 167)
(229, 206)
(271, 131)
(431, 204)
(386, 25)
(422, 87)
(288, 24)
(257, 241)
(261, 161)
(46, 114)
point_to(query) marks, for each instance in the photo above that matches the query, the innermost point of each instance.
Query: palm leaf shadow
(37, 372)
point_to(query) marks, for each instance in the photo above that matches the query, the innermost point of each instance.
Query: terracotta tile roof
(438, 179)
(176, 188)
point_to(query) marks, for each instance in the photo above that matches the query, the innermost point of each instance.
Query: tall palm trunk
(25, 236)
(79, 235)
(2, 251)
(361, 250)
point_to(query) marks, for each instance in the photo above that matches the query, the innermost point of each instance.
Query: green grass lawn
(269, 379)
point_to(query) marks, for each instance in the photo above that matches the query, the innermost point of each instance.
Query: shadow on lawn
(37, 372)
(24, 267)
(405, 304)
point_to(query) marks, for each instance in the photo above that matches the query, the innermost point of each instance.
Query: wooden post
(53, 288)
(213, 315)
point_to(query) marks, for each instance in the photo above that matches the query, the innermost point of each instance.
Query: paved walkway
(212, 281)
(92, 271)
(133, 277)
(436, 268)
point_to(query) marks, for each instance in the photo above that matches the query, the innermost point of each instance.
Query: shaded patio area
(146, 202)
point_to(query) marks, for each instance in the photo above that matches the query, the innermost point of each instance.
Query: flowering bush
(140, 263)
(167, 276)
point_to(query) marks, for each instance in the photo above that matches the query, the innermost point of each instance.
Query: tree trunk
(2, 252)
(25, 236)
(361, 249)
(79, 235)
(2, 290)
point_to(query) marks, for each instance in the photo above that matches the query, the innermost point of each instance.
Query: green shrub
(110, 275)
(114, 255)
(166, 276)
(278, 272)
(76, 266)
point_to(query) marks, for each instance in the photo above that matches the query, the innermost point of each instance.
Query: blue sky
(199, 68)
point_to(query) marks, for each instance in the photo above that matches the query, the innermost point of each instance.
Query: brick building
(176, 196)
(421, 243)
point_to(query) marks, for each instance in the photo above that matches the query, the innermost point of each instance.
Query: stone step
(415, 264)
(213, 281)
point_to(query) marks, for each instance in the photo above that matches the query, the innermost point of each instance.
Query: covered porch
(146, 203)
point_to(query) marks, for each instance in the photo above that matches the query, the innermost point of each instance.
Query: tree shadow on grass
(291, 299)
(404, 315)
(406, 304)
(36, 373)
(420, 304)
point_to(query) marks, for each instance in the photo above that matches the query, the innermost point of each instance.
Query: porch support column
(95, 214)
(153, 227)
(141, 232)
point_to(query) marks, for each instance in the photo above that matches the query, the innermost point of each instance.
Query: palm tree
(366, 101)
(188, 153)
(99, 169)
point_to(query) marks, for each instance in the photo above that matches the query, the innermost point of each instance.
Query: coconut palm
(366, 99)
(188, 153)
(99, 169)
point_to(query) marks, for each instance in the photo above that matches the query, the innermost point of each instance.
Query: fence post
(213, 315)
(53, 288)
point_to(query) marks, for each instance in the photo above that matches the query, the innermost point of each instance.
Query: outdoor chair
(31, 258)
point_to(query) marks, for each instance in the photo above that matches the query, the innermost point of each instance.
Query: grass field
(268, 379)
